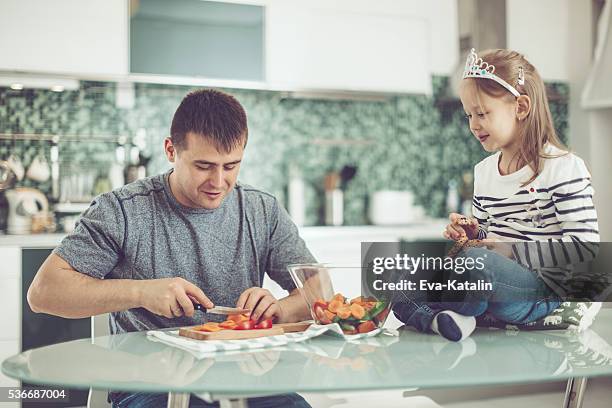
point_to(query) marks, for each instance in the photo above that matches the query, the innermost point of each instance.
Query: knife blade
(222, 310)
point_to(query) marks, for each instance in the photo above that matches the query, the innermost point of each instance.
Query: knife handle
(198, 306)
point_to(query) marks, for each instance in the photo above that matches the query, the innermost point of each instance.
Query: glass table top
(131, 362)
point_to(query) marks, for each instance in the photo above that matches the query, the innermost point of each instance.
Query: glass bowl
(334, 295)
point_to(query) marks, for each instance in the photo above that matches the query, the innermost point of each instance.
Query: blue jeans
(148, 400)
(519, 296)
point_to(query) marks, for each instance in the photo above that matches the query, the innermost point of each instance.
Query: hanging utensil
(347, 174)
(7, 176)
(55, 169)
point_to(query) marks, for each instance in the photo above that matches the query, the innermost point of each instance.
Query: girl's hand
(461, 226)
(500, 247)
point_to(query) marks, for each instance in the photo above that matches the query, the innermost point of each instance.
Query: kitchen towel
(206, 348)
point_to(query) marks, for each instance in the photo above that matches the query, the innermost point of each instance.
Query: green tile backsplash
(408, 142)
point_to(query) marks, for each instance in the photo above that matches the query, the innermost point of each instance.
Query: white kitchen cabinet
(388, 46)
(322, 48)
(64, 36)
(10, 307)
(527, 34)
(195, 38)
(10, 293)
(10, 312)
(10, 259)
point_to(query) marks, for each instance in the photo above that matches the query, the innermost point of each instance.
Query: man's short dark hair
(214, 115)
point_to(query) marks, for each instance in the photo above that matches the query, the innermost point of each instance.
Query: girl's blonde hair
(537, 128)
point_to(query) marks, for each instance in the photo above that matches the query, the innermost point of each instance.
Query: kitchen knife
(222, 310)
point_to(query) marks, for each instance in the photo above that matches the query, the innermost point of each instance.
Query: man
(147, 251)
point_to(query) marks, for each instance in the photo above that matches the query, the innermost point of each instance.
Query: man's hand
(261, 303)
(171, 297)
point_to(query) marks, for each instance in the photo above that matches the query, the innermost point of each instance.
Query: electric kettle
(23, 203)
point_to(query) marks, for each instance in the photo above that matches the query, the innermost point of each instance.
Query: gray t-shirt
(140, 231)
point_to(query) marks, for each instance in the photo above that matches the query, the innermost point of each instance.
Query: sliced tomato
(264, 324)
(366, 327)
(382, 315)
(322, 304)
(320, 314)
(246, 325)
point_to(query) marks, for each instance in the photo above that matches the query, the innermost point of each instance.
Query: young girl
(531, 191)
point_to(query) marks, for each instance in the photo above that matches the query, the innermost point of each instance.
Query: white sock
(453, 326)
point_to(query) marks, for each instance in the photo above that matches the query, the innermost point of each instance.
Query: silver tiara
(475, 67)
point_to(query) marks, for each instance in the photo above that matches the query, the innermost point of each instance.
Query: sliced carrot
(357, 311)
(212, 329)
(339, 297)
(238, 318)
(209, 327)
(228, 324)
(344, 312)
(329, 315)
(334, 305)
(368, 305)
(358, 299)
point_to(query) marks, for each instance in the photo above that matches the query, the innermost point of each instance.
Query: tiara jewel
(475, 67)
(521, 76)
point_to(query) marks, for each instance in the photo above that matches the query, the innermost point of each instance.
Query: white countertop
(428, 229)
(32, 240)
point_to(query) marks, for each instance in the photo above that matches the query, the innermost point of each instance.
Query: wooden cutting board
(294, 327)
(276, 329)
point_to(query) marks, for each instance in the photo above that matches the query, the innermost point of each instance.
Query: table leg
(233, 403)
(574, 393)
(178, 400)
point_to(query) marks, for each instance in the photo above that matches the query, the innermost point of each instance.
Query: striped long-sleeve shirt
(552, 220)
